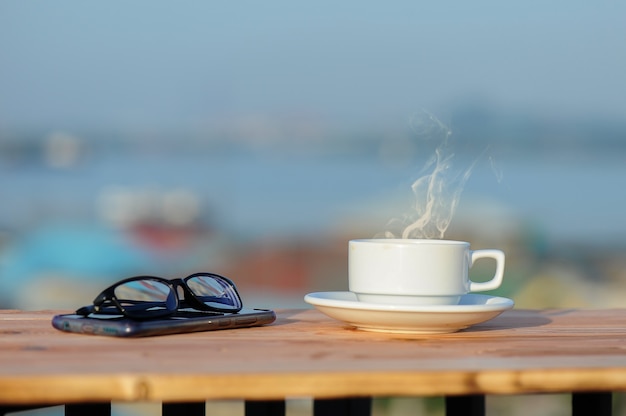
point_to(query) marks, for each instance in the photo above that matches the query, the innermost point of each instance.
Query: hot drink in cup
(417, 271)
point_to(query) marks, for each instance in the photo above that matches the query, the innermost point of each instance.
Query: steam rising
(438, 189)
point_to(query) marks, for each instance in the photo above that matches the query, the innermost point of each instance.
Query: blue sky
(122, 64)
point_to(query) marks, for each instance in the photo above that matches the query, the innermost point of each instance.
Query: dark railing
(583, 404)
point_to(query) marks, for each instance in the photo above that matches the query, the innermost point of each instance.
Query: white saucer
(414, 319)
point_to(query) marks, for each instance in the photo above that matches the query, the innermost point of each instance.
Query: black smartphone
(183, 321)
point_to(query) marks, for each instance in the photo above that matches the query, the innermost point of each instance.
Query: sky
(187, 64)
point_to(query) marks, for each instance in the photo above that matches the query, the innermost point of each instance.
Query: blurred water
(252, 195)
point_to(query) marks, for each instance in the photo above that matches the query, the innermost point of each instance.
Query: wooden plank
(306, 354)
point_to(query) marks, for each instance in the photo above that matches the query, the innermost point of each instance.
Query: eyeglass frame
(190, 300)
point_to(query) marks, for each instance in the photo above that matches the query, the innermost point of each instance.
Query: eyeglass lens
(146, 294)
(213, 291)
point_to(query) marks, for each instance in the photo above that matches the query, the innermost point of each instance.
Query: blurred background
(255, 139)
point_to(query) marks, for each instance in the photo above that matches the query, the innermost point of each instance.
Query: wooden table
(306, 354)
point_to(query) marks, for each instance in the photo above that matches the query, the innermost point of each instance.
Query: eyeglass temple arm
(184, 303)
(85, 310)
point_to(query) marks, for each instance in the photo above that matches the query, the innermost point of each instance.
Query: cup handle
(496, 281)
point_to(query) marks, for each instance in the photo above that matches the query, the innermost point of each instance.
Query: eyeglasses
(147, 297)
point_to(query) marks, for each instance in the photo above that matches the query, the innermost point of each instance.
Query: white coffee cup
(416, 271)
